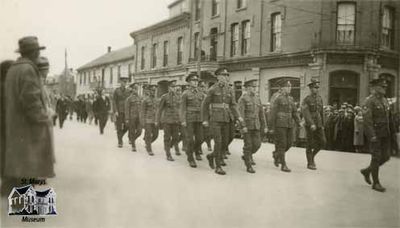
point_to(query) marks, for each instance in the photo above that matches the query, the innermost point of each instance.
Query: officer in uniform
(313, 113)
(378, 132)
(206, 130)
(168, 116)
(283, 118)
(119, 97)
(132, 120)
(270, 132)
(215, 113)
(148, 116)
(191, 118)
(251, 110)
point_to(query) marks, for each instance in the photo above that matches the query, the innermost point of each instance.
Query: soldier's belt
(219, 105)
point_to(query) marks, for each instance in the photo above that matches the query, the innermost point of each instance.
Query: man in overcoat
(29, 148)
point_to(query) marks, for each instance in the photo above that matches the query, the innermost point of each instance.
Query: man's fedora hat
(28, 43)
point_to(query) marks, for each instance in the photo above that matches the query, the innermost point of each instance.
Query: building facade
(344, 44)
(105, 71)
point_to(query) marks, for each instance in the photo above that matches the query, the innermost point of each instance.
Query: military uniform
(251, 110)
(132, 118)
(190, 115)
(313, 113)
(378, 132)
(283, 119)
(216, 108)
(119, 97)
(168, 116)
(62, 111)
(148, 118)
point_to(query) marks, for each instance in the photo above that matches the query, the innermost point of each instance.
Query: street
(100, 185)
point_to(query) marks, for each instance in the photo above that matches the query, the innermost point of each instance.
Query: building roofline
(161, 24)
(99, 61)
(174, 3)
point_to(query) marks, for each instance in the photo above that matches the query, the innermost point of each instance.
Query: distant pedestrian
(62, 110)
(101, 107)
(358, 139)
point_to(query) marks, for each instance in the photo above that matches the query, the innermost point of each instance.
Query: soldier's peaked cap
(192, 77)
(378, 82)
(252, 82)
(221, 71)
(133, 84)
(284, 82)
(172, 83)
(313, 83)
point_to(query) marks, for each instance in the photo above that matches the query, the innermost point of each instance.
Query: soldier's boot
(252, 162)
(247, 163)
(275, 156)
(198, 156)
(200, 151)
(366, 173)
(177, 152)
(169, 156)
(222, 162)
(228, 152)
(218, 169)
(310, 164)
(133, 146)
(210, 159)
(120, 143)
(284, 167)
(224, 154)
(375, 178)
(192, 162)
(209, 148)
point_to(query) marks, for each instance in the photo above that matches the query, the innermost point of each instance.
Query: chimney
(108, 49)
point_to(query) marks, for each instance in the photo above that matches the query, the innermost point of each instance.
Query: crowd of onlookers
(344, 129)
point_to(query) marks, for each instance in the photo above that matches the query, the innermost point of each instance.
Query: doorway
(343, 87)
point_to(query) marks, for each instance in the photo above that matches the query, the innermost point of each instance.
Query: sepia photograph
(200, 113)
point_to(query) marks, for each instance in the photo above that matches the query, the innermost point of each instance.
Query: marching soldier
(253, 114)
(313, 113)
(378, 132)
(119, 97)
(132, 120)
(101, 107)
(181, 130)
(274, 153)
(148, 116)
(191, 118)
(206, 130)
(215, 113)
(168, 116)
(283, 116)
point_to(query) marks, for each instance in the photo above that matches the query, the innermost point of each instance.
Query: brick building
(105, 71)
(342, 43)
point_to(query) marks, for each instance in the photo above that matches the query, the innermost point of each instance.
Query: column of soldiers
(199, 115)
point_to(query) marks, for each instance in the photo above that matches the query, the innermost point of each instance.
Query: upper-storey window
(387, 36)
(180, 50)
(276, 31)
(234, 39)
(196, 10)
(245, 37)
(215, 7)
(142, 59)
(241, 4)
(154, 55)
(346, 18)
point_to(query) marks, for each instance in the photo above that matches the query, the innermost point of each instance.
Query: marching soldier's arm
(274, 111)
(234, 108)
(295, 114)
(368, 121)
(261, 114)
(306, 112)
(241, 105)
(127, 110)
(322, 113)
(160, 109)
(183, 106)
(114, 102)
(142, 111)
(205, 106)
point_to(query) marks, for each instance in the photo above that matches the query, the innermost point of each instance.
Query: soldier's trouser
(207, 136)
(150, 134)
(380, 153)
(194, 135)
(315, 141)
(171, 135)
(61, 119)
(252, 142)
(102, 121)
(121, 126)
(283, 141)
(182, 136)
(231, 135)
(220, 133)
(135, 130)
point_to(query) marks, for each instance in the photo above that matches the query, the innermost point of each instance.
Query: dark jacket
(191, 105)
(101, 106)
(29, 134)
(251, 110)
(217, 104)
(168, 110)
(284, 112)
(376, 114)
(312, 110)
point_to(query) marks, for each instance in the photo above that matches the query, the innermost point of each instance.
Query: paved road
(100, 185)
